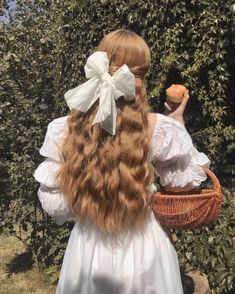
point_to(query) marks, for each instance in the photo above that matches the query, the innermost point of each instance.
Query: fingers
(167, 106)
(185, 100)
(186, 96)
(177, 110)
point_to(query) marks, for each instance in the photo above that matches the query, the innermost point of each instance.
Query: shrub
(45, 44)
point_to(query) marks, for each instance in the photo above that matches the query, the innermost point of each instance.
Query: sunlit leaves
(44, 47)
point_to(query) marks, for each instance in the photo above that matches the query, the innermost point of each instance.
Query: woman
(98, 169)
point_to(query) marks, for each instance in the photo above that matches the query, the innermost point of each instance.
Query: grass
(18, 274)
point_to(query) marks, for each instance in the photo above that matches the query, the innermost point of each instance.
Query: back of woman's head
(106, 178)
(126, 47)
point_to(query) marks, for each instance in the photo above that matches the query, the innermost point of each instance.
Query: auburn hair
(106, 178)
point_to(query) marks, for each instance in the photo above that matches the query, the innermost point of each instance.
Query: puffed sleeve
(52, 201)
(174, 157)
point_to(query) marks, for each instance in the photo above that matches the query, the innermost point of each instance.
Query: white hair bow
(101, 85)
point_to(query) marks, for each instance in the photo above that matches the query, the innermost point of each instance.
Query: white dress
(142, 262)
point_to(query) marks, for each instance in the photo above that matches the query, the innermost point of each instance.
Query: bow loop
(97, 64)
(124, 81)
(101, 85)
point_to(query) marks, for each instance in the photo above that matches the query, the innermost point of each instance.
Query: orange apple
(175, 93)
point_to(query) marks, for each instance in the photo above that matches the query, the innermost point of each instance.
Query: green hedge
(45, 45)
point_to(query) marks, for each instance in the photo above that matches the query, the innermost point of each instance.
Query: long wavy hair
(106, 178)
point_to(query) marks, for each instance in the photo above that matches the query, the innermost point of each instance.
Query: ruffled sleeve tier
(52, 201)
(174, 157)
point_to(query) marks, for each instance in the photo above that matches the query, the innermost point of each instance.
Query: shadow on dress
(105, 285)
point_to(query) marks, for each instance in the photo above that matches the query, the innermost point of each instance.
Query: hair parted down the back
(106, 178)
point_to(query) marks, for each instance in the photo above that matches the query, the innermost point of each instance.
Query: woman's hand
(176, 111)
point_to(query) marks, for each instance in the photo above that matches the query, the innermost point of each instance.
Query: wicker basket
(189, 211)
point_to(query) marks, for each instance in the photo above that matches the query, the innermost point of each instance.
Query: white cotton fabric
(55, 135)
(54, 203)
(142, 262)
(175, 158)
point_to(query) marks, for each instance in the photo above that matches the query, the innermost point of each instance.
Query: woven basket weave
(189, 211)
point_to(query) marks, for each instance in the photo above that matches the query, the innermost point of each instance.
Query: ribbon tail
(106, 114)
(114, 116)
(109, 124)
(83, 96)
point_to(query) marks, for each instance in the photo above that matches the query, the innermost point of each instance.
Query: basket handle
(213, 177)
